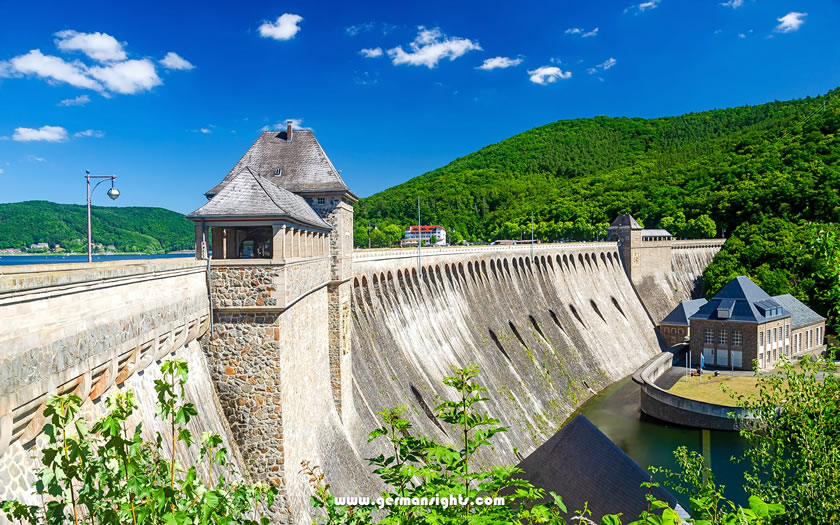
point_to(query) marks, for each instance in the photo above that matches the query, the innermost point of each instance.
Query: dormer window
(278, 172)
(724, 309)
(322, 201)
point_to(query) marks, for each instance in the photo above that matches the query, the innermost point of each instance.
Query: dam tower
(278, 232)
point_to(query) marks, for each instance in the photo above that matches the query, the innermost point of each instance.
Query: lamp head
(113, 193)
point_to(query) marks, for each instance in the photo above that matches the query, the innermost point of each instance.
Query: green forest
(129, 229)
(766, 176)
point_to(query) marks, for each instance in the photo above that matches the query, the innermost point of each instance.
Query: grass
(708, 388)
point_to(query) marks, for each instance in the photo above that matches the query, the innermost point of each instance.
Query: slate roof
(745, 294)
(581, 464)
(683, 311)
(249, 194)
(656, 233)
(302, 163)
(625, 219)
(800, 314)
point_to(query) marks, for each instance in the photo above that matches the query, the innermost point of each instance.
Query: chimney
(289, 132)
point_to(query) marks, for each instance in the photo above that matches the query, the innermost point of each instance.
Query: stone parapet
(679, 410)
(264, 286)
(83, 328)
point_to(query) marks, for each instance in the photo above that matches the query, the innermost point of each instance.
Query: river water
(615, 411)
(9, 260)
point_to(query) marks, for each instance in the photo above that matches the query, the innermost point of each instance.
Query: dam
(295, 341)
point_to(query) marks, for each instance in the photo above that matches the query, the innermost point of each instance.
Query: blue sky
(168, 97)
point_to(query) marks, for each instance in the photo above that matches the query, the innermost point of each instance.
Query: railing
(397, 253)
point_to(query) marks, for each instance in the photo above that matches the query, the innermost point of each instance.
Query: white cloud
(35, 158)
(644, 6)
(1, 171)
(205, 131)
(81, 100)
(44, 133)
(358, 28)
(431, 46)
(603, 66)
(742, 35)
(95, 133)
(548, 74)
(101, 47)
(285, 28)
(297, 123)
(499, 63)
(583, 33)
(790, 22)
(54, 69)
(371, 52)
(127, 77)
(734, 4)
(174, 61)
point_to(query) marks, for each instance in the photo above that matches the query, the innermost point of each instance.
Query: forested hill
(767, 176)
(129, 229)
(734, 165)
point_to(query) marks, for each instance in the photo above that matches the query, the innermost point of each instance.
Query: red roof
(425, 229)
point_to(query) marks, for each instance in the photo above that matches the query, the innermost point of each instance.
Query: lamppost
(113, 193)
(371, 226)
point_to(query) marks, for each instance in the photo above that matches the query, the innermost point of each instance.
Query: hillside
(130, 229)
(757, 173)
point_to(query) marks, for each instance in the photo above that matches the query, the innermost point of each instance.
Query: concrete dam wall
(662, 289)
(547, 334)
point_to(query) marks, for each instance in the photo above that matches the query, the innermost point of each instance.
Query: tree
(109, 475)
(433, 240)
(420, 469)
(793, 449)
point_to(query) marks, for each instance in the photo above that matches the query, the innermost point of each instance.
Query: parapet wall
(91, 328)
(679, 410)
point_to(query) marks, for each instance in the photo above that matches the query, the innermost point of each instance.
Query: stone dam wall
(546, 334)
(91, 330)
(301, 357)
(662, 290)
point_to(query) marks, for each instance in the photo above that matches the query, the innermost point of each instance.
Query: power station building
(742, 323)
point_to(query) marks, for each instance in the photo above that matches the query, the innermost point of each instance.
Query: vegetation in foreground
(129, 229)
(108, 475)
(419, 469)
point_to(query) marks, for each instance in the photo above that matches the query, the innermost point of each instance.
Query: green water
(615, 411)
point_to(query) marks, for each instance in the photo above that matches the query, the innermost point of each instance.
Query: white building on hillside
(425, 233)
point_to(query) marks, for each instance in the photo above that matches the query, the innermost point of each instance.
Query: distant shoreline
(73, 254)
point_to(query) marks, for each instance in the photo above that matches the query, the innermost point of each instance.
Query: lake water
(8, 260)
(615, 411)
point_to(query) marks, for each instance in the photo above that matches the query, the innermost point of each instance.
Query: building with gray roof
(675, 326)
(743, 324)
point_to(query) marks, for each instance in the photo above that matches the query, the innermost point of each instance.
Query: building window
(322, 201)
(709, 336)
(787, 331)
(722, 336)
(768, 337)
(736, 338)
(761, 338)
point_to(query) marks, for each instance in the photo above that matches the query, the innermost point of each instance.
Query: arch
(390, 276)
(594, 259)
(493, 268)
(507, 268)
(559, 261)
(355, 282)
(364, 280)
(527, 262)
(382, 278)
(597, 310)
(603, 258)
(484, 267)
(550, 262)
(439, 276)
(515, 264)
(461, 270)
(469, 267)
(580, 260)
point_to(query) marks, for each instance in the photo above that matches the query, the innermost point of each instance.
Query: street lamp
(113, 193)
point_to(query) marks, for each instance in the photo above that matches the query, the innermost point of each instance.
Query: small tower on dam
(644, 252)
(278, 232)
